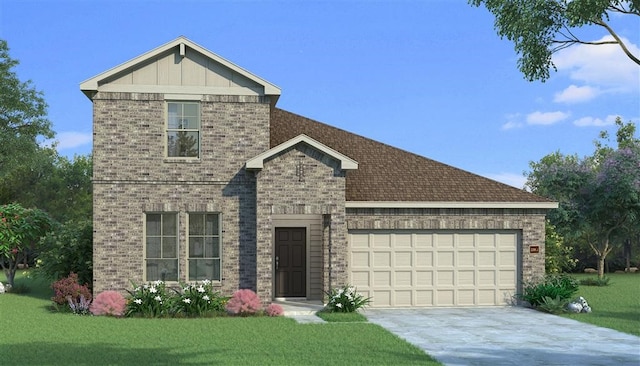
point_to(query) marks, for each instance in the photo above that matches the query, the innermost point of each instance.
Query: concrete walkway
(507, 336)
(303, 312)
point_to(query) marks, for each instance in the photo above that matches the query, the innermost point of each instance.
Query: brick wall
(132, 176)
(301, 181)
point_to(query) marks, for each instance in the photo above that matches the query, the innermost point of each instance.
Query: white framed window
(204, 238)
(161, 246)
(183, 130)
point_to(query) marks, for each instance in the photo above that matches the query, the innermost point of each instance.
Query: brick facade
(301, 181)
(132, 176)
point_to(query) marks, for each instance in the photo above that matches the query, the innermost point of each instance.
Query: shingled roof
(389, 174)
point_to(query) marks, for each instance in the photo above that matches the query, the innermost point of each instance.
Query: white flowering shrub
(199, 299)
(346, 300)
(150, 300)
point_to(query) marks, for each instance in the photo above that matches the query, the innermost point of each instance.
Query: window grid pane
(183, 129)
(204, 247)
(161, 253)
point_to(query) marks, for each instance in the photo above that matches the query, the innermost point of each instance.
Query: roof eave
(452, 204)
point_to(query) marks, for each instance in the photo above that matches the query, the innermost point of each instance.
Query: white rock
(1, 288)
(574, 307)
(586, 309)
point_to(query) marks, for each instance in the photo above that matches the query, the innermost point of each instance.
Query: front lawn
(616, 306)
(34, 335)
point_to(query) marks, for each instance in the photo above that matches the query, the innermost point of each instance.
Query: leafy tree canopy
(542, 27)
(23, 121)
(599, 195)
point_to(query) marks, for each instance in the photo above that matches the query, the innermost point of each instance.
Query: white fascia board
(399, 204)
(178, 90)
(91, 84)
(346, 163)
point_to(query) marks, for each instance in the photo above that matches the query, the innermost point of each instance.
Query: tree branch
(630, 55)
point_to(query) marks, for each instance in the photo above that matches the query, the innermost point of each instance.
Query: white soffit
(346, 163)
(91, 85)
(399, 204)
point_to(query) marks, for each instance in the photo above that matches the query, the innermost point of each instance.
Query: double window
(163, 247)
(183, 130)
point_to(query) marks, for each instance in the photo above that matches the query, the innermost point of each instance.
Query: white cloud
(511, 125)
(593, 121)
(71, 139)
(514, 180)
(602, 65)
(576, 94)
(546, 118)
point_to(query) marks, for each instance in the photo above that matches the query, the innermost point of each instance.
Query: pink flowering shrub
(274, 310)
(69, 288)
(244, 302)
(110, 303)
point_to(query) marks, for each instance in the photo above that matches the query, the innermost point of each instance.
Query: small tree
(20, 232)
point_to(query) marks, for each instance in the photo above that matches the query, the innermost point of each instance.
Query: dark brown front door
(291, 262)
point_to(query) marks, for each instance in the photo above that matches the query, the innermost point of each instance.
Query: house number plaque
(534, 249)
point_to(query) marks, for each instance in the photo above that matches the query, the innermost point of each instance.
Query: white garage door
(404, 268)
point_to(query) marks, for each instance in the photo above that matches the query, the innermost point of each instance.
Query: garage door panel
(467, 278)
(487, 259)
(381, 259)
(445, 258)
(466, 297)
(443, 240)
(487, 278)
(403, 259)
(408, 268)
(424, 298)
(466, 259)
(424, 259)
(382, 241)
(381, 279)
(360, 260)
(445, 297)
(403, 279)
(360, 279)
(445, 278)
(424, 278)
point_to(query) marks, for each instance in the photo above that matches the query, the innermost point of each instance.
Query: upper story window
(183, 130)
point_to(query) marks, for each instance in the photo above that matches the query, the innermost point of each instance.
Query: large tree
(23, 121)
(542, 27)
(599, 195)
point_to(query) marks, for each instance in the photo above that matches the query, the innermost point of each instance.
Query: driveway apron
(507, 336)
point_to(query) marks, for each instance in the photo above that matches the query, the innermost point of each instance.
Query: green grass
(32, 334)
(342, 317)
(616, 306)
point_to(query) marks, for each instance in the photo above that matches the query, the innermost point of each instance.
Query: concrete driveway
(507, 336)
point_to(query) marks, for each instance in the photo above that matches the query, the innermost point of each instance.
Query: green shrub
(554, 305)
(595, 281)
(68, 248)
(553, 286)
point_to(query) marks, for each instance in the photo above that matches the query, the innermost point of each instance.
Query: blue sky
(430, 77)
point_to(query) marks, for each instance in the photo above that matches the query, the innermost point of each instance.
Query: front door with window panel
(291, 262)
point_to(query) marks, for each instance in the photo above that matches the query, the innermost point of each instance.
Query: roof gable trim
(91, 85)
(346, 163)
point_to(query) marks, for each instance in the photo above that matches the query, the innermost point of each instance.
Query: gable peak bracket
(183, 50)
